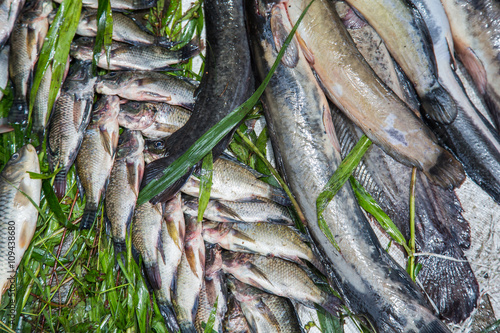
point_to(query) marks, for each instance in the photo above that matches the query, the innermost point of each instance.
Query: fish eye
(159, 145)
(15, 156)
(111, 74)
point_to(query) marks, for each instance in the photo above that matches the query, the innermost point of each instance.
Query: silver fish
(9, 11)
(18, 216)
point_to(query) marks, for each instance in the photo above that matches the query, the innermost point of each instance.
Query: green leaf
(209, 327)
(53, 203)
(104, 32)
(329, 323)
(369, 204)
(208, 140)
(205, 184)
(492, 328)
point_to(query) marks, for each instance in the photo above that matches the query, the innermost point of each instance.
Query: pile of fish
(420, 88)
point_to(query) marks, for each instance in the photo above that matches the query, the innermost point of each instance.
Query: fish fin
(159, 246)
(453, 61)
(330, 129)
(107, 140)
(254, 172)
(165, 42)
(266, 312)
(258, 273)
(191, 259)
(79, 185)
(187, 327)
(332, 304)
(475, 68)
(153, 274)
(191, 49)
(6, 129)
(234, 217)
(308, 54)
(448, 172)
(134, 176)
(435, 326)
(213, 262)
(352, 21)
(167, 311)
(242, 236)
(439, 105)
(88, 218)
(278, 195)
(60, 184)
(280, 33)
(120, 247)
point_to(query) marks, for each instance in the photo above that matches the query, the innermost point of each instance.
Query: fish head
(79, 75)
(82, 48)
(113, 82)
(106, 109)
(129, 143)
(88, 19)
(136, 115)
(156, 147)
(45, 8)
(26, 159)
(213, 232)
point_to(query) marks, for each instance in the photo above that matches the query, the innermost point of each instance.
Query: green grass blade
(209, 327)
(104, 32)
(492, 328)
(208, 140)
(205, 184)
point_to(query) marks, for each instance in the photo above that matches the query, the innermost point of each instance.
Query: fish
(227, 82)
(368, 280)
(190, 276)
(26, 42)
(440, 227)
(147, 240)
(9, 11)
(123, 187)
(234, 181)
(154, 120)
(70, 117)
(235, 321)
(248, 212)
(172, 237)
(147, 86)
(18, 215)
(353, 86)
(125, 29)
(266, 239)
(120, 4)
(134, 57)
(475, 29)
(96, 155)
(4, 69)
(214, 290)
(265, 312)
(279, 277)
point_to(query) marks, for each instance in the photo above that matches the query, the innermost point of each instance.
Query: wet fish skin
(4, 68)
(96, 155)
(353, 86)
(69, 120)
(147, 240)
(226, 83)
(154, 120)
(9, 11)
(190, 276)
(265, 312)
(235, 321)
(27, 39)
(123, 186)
(172, 236)
(393, 303)
(18, 216)
(147, 86)
(134, 57)
(229, 211)
(125, 29)
(233, 181)
(120, 4)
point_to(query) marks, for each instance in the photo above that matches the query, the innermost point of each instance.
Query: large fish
(476, 34)
(297, 113)
(125, 29)
(27, 39)
(120, 4)
(265, 312)
(133, 57)
(172, 237)
(227, 82)
(154, 120)
(17, 214)
(147, 86)
(353, 86)
(9, 11)
(69, 119)
(96, 155)
(190, 277)
(123, 187)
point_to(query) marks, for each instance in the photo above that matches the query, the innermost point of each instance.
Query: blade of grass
(205, 184)
(411, 258)
(208, 140)
(209, 327)
(104, 33)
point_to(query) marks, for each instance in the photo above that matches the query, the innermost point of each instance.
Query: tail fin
(439, 105)
(190, 50)
(448, 172)
(168, 314)
(187, 328)
(88, 218)
(165, 42)
(60, 184)
(153, 274)
(120, 247)
(19, 111)
(279, 196)
(434, 327)
(144, 4)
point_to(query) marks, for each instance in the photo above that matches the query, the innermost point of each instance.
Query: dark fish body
(147, 86)
(368, 280)
(133, 57)
(9, 11)
(120, 4)
(235, 321)
(4, 68)
(226, 83)
(69, 120)
(96, 155)
(18, 216)
(125, 29)
(172, 237)
(154, 120)
(27, 39)
(265, 312)
(123, 186)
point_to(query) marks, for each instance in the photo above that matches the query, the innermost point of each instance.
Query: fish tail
(332, 305)
(88, 218)
(60, 184)
(439, 105)
(153, 171)
(165, 42)
(19, 111)
(447, 172)
(120, 246)
(187, 327)
(435, 326)
(168, 314)
(153, 274)
(190, 50)
(278, 195)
